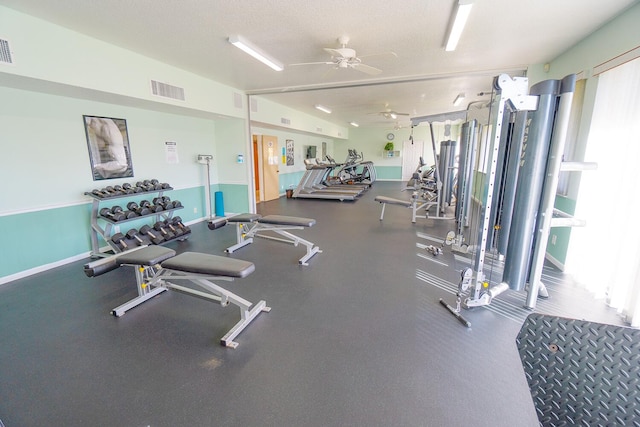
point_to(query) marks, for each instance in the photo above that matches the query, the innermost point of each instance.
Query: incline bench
(251, 225)
(413, 204)
(391, 201)
(156, 265)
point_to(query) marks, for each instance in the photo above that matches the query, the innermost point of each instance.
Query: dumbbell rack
(111, 227)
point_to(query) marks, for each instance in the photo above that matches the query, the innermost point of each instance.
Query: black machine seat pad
(150, 255)
(287, 220)
(245, 217)
(391, 201)
(213, 265)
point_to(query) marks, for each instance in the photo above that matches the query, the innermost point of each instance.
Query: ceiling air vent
(318, 129)
(285, 121)
(6, 56)
(166, 90)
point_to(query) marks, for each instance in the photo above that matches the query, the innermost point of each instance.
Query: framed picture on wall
(289, 152)
(108, 143)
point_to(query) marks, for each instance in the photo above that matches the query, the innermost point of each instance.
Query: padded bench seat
(213, 265)
(392, 201)
(244, 218)
(149, 255)
(287, 220)
(255, 225)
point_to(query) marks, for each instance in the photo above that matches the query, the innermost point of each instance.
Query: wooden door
(270, 168)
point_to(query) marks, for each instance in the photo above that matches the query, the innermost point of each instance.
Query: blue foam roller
(219, 202)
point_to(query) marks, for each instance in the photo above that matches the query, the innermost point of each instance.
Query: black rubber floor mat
(581, 373)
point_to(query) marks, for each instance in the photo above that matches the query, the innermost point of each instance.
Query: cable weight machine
(518, 190)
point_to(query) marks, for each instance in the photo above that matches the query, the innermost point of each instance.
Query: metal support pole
(533, 160)
(205, 159)
(436, 172)
(545, 212)
(509, 194)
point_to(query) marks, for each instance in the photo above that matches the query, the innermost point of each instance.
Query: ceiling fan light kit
(252, 50)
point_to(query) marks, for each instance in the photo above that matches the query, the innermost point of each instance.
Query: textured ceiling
(500, 36)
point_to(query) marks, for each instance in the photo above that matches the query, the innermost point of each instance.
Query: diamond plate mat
(581, 373)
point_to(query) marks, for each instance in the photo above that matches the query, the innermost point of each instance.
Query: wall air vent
(6, 56)
(237, 100)
(167, 91)
(285, 121)
(254, 105)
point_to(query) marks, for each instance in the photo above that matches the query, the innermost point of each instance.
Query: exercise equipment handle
(96, 269)
(457, 315)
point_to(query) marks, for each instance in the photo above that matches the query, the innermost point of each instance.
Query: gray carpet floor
(357, 338)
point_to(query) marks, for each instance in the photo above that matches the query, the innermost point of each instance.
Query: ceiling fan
(389, 113)
(398, 126)
(345, 57)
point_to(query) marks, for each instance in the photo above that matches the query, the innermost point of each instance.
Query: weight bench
(391, 201)
(254, 225)
(156, 265)
(412, 204)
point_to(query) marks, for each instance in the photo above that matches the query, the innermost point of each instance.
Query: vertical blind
(605, 255)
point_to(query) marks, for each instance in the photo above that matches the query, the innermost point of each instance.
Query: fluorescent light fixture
(323, 108)
(354, 124)
(462, 13)
(458, 99)
(247, 47)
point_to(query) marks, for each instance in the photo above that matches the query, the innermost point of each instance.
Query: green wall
(290, 180)
(389, 173)
(236, 198)
(45, 214)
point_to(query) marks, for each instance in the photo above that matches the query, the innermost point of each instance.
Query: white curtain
(605, 255)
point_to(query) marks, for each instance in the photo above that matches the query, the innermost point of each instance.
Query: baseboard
(42, 268)
(555, 262)
(45, 267)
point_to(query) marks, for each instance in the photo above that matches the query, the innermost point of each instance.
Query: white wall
(49, 53)
(46, 158)
(269, 112)
(371, 141)
(300, 140)
(231, 140)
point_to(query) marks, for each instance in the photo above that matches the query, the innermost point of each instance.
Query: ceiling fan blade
(329, 73)
(390, 53)
(400, 114)
(333, 52)
(367, 69)
(310, 63)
